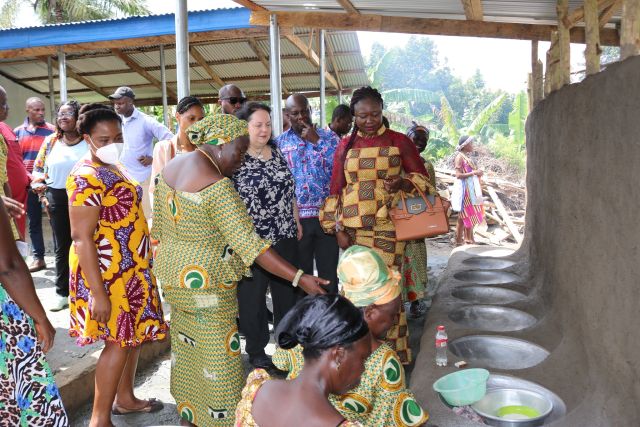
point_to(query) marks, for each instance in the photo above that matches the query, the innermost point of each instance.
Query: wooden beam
(203, 63)
(553, 62)
(144, 73)
(592, 28)
(429, 26)
(608, 12)
(334, 63)
(310, 55)
(348, 7)
(577, 15)
(537, 90)
(260, 54)
(564, 42)
(473, 10)
(630, 33)
(249, 5)
(73, 73)
(505, 216)
(224, 35)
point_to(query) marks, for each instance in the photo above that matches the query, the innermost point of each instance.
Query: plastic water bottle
(441, 346)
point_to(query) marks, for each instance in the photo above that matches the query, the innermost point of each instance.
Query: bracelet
(297, 278)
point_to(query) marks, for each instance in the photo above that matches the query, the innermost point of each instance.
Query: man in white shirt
(138, 131)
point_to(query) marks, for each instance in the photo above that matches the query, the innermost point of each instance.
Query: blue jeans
(34, 213)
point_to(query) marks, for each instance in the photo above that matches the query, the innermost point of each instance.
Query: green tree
(60, 11)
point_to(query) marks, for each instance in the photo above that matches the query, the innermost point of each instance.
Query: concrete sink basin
(498, 352)
(488, 263)
(487, 295)
(492, 318)
(481, 277)
(490, 252)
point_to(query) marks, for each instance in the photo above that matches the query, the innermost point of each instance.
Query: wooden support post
(592, 29)
(553, 63)
(473, 10)
(537, 91)
(564, 44)
(630, 34)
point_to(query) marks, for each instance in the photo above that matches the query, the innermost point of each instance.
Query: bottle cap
(441, 328)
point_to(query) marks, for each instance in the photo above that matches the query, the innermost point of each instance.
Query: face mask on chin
(108, 154)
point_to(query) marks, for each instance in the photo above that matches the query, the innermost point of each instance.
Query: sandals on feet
(153, 405)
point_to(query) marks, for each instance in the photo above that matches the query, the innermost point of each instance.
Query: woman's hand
(45, 333)
(14, 207)
(344, 241)
(300, 233)
(393, 184)
(478, 173)
(101, 307)
(312, 284)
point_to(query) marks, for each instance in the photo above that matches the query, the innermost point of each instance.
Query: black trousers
(321, 247)
(252, 292)
(59, 216)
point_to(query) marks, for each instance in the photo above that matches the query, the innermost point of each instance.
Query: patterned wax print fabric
(382, 397)
(207, 243)
(311, 165)
(28, 392)
(267, 188)
(472, 212)
(217, 129)
(254, 381)
(122, 243)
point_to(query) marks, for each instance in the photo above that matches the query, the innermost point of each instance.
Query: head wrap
(365, 278)
(217, 129)
(464, 142)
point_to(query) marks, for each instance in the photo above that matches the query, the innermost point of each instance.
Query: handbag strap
(420, 192)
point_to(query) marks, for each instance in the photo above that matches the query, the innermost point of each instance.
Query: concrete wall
(16, 97)
(583, 240)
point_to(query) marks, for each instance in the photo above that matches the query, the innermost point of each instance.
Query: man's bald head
(298, 112)
(231, 98)
(35, 111)
(4, 106)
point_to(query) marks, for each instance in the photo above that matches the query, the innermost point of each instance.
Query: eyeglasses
(61, 115)
(235, 100)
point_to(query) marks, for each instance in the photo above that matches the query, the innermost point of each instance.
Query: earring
(337, 366)
(219, 155)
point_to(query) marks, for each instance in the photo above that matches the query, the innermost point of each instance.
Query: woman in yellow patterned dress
(112, 293)
(382, 397)
(336, 344)
(371, 167)
(207, 243)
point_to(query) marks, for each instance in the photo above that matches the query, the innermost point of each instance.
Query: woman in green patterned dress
(207, 243)
(382, 397)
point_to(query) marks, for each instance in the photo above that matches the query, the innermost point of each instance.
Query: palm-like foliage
(59, 11)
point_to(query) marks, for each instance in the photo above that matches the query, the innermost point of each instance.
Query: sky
(504, 64)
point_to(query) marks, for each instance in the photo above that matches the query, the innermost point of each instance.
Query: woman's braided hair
(365, 92)
(186, 103)
(92, 114)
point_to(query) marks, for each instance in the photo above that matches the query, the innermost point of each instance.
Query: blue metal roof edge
(121, 29)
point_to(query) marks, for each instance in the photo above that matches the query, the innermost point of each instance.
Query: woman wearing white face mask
(113, 295)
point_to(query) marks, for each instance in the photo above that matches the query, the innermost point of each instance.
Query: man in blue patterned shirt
(309, 152)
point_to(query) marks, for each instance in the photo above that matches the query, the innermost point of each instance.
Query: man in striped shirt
(31, 135)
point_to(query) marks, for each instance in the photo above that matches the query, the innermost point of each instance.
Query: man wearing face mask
(309, 152)
(138, 130)
(31, 135)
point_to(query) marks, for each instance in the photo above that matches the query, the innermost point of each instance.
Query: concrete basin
(481, 277)
(498, 352)
(488, 263)
(490, 252)
(492, 318)
(487, 294)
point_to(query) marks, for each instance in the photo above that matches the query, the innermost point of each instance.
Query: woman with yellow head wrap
(382, 398)
(207, 243)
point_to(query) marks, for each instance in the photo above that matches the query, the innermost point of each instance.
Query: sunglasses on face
(235, 100)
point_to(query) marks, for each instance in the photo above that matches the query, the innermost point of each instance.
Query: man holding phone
(138, 131)
(309, 152)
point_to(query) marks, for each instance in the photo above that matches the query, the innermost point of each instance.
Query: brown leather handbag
(419, 217)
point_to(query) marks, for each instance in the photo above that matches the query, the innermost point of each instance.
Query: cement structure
(578, 265)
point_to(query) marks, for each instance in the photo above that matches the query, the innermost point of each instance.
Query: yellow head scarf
(217, 129)
(365, 278)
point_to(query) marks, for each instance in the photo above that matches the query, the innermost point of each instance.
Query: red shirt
(31, 139)
(411, 160)
(17, 173)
